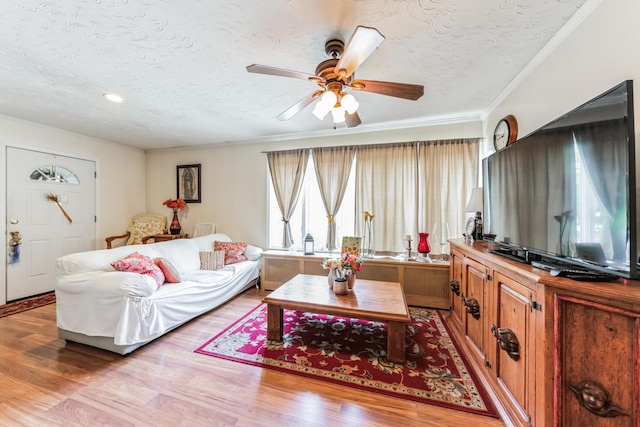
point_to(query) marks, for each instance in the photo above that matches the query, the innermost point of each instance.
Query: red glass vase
(175, 227)
(423, 243)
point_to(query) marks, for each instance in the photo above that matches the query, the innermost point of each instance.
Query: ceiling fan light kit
(339, 105)
(336, 73)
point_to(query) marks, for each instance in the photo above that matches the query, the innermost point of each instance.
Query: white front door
(41, 188)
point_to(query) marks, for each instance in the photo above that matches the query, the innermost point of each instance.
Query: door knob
(14, 221)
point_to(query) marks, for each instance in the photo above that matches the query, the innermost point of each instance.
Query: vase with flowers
(351, 265)
(332, 265)
(344, 267)
(176, 205)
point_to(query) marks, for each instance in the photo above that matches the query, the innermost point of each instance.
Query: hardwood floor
(45, 381)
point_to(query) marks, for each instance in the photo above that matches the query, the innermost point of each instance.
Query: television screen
(567, 191)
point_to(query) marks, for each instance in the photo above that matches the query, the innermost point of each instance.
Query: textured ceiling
(180, 64)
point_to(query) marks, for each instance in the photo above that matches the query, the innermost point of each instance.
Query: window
(54, 173)
(310, 215)
(408, 187)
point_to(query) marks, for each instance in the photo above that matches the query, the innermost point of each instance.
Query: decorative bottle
(423, 244)
(175, 227)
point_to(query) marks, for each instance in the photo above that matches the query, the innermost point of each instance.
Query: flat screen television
(567, 191)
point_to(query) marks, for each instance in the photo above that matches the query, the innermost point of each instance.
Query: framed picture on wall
(189, 183)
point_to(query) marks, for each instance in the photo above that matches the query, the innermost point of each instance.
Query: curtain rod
(383, 144)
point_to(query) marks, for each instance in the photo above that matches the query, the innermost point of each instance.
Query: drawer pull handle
(473, 307)
(455, 286)
(596, 400)
(508, 342)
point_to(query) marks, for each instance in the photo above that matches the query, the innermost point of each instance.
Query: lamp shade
(475, 201)
(329, 99)
(349, 103)
(321, 110)
(326, 103)
(338, 115)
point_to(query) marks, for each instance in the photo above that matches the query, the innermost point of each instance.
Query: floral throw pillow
(233, 251)
(170, 272)
(141, 264)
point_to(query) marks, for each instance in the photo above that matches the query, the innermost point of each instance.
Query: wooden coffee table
(370, 300)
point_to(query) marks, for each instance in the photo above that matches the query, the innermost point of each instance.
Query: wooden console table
(424, 284)
(164, 237)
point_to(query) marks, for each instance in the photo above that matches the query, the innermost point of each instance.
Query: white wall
(601, 52)
(234, 176)
(121, 175)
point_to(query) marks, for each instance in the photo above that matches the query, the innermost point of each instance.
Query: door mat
(27, 304)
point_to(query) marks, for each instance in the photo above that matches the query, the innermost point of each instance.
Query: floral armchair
(141, 226)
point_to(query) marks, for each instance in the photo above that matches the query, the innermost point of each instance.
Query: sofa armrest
(253, 253)
(138, 285)
(106, 284)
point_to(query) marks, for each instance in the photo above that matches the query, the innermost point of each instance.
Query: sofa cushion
(211, 260)
(141, 264)
(171, 275)
(233, 251)
(253, 253)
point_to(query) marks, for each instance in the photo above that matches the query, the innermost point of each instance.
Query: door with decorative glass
(50, 213)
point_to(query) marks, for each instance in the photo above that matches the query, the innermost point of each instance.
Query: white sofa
(121, 311)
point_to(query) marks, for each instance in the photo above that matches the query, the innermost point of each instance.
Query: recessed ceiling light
(113, 97)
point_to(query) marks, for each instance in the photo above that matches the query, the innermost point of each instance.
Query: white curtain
(407, 187)
(386, 187)
(333, 165)
(447, 172)
(287, 170)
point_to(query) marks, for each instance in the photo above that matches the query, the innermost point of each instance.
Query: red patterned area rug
(352, 352)
(27, 304)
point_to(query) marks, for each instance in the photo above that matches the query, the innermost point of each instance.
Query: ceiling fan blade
(399, 90)
(363, 42)
(299, 106)
(272, 71)
(352, 120)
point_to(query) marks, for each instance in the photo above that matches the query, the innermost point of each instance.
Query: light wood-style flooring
(45, 381)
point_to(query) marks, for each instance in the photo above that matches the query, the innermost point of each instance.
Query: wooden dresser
(425, 284)
(554, 351)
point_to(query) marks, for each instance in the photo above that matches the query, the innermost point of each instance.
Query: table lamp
(475, 205)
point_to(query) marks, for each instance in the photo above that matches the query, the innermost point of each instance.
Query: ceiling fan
(337, 73)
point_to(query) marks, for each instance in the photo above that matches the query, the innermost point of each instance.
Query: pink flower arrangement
(345, 265)
(175, 204)
(351, 263)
